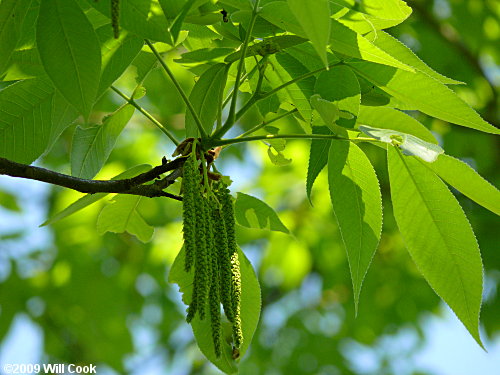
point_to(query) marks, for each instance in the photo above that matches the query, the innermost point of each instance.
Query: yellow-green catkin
(227, 204)
(224, 258)
(236, 281)
(115, 17)
(190, 185)
(203, 267)
(215, 292)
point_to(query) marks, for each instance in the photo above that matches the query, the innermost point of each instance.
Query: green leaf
(397, 49)
(357, 204)
(23, 64)
(238, 4)
(70, 52)
(390, 118)
(278, 144)
(251, 212)
(438, 236)
(342, 39)
(261, 29)
(92, 146)
(424, 93)
(375, 14)
(63, 115)
(268, 46)
(25, 119)
(250, 312)
(9, 201)
(121, 215)
(286, 68)
(318, 157)
(371, 95)
(204, 55)
(205, 98)
(467, 181)
(12, 13)
(117, 55)
(144, 63)
(277, 157)
(314, 18)
(175, 28)
(89, 199)
(328, 110)
(308, 57)
(143, 18)
(409, 144)
(340, 86)
(346, 41)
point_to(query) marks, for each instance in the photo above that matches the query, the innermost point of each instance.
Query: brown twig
(135, 185)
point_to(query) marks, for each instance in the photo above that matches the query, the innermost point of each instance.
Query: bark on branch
(135, 185)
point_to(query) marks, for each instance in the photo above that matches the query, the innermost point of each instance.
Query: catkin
(190, 186)
(224, 259)
(202, 265)
(209, 238)
(215, 298)
(226, 201)
(236, 281)
(115, 17)
(210, 245)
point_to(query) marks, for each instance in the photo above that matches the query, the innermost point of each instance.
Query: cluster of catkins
(210, 246)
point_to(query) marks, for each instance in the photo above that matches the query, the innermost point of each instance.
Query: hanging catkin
(226, 201)
(210, 246)
(224, 258)
(190, 186)
(215, 290)
(202, 262)
(115, 18)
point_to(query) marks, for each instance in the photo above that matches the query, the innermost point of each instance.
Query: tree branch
(135, 185)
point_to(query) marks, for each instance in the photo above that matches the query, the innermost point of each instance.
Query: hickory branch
(135, 185)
